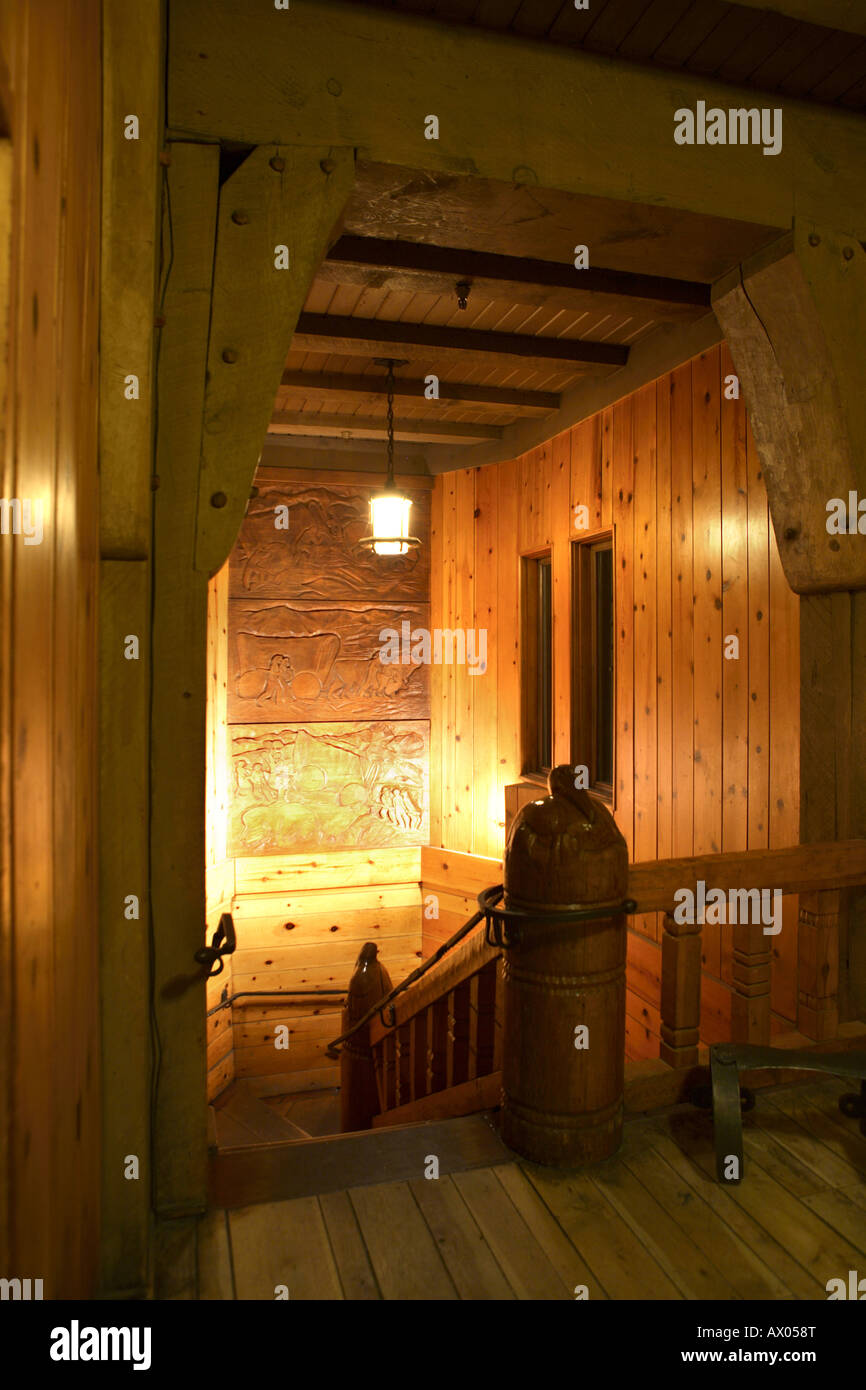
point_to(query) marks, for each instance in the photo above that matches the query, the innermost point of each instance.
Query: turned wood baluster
(458, 1033)
(681, 992)
(418, 1055)
(439, 1046)
(750, 1002)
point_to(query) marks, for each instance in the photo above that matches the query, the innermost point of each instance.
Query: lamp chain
(390, 482)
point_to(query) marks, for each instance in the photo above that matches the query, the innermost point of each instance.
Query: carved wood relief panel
(317, 555)
(299, 787)
(291, 660)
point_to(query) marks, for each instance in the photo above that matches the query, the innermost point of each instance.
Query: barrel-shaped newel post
(359, 1098)
(564, 1043)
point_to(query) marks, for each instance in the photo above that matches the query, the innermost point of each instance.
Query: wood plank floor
(651, 1223)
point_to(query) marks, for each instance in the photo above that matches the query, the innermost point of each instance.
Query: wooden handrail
(463, 961)
(797, 869)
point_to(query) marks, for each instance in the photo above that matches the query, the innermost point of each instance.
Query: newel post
(359, 1098)
(564, 1044)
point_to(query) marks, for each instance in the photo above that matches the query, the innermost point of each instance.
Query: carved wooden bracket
(278, 213)
(794, 317)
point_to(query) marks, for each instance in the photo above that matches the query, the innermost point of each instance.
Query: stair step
(273, 1172)
(238, 1111)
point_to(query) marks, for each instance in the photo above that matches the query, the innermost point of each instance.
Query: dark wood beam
(357, 427)
(334, 333)
(329, 384)
(415, 266)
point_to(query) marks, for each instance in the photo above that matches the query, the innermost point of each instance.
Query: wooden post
(564, 1049)
(750, 1003)
(359, 1098)
(681, 992)
(818, 949)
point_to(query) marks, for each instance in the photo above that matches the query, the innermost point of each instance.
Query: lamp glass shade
(389, 518)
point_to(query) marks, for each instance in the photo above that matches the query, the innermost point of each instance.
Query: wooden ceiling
(738, 43)
(533, 325)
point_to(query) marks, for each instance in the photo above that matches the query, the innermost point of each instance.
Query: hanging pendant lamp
(389, 509)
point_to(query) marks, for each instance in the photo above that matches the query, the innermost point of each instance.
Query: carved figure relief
(328, 786)
(303, 661)
(316, 555)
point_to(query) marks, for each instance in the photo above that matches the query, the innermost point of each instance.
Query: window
(536, 662)
(592, 662)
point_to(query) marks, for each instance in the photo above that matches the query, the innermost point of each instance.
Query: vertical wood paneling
(464, 617)
(664, 813)
(49, 948)
(735, 623)
(682, 609)
(645, 637)
(488, 810)
(449, 582)
(623, 588)
(560, 536)
(437, 620)
(706, 534)
(674, 470)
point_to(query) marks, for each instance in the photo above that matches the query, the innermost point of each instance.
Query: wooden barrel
(359, 1097)
(564, 1035)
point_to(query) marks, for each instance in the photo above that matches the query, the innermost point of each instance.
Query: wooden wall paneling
(759, 651)
(328, 786)
(708, 659)
(178, 708)
(534, 517)
(437, 619)
(682, 610)
(623, 588)
(49, 225)
(508, 626)
(645, 638)
(607, 479)
(448, 726)
(560, 535)
(664, 621)
(464, 617)
(488, 808)
(784, 768)
(298, 873)
(586, 475)
(735, 623)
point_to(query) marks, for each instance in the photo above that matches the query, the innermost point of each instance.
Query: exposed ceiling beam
(847, 15)
(415, 266)
(378, 338)
(356, 427)
(325, 384)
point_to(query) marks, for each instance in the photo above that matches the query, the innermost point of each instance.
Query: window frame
(583, 635)
(532, 766)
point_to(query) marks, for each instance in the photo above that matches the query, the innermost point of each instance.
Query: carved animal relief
(328, 786)
(303, 661)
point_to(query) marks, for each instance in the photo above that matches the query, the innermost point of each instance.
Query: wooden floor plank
(685, 1263)
(355, 1272)
(697, 1169)
(554, 1242)
(844, 1211)
(280, 1243)
(467, 1256)
(518, 1253)
(762, 1141)
(808, 1240)
(811, 1137)
(213, 1257)
(744, 1271)
(847, 1132)
(403, 1253)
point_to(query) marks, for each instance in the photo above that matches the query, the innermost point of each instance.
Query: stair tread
(305, 1168)
(265, 1125)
